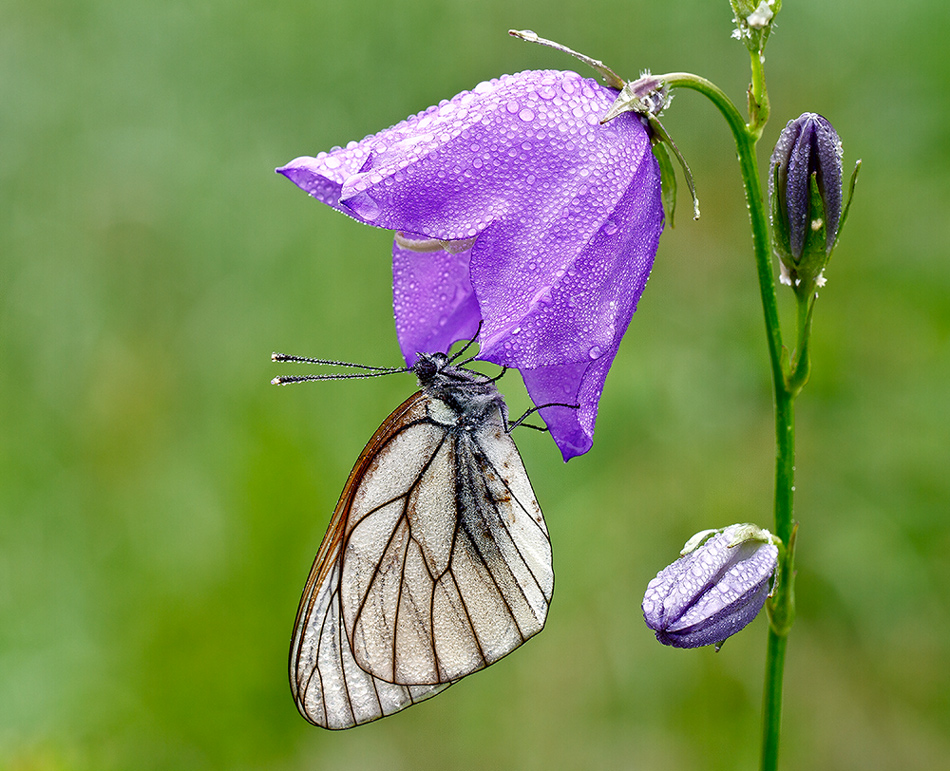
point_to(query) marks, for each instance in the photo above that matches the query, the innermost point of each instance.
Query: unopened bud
(805, 196)
(714, 589)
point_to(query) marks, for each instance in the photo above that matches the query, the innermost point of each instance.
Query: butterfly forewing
(436, 563)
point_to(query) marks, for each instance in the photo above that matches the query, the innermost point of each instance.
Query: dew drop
(526, 115)
(596, 352)
(366, 207)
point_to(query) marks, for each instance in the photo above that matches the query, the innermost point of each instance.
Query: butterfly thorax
(469, 397)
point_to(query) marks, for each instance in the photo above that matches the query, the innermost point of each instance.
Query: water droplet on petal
(526, 115)
(596, 352)
(365, 207)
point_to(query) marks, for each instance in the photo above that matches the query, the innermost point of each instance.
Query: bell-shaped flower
(714, 589)
(516, 209)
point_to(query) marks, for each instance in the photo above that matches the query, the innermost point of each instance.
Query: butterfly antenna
(370, 371)
(332, 363)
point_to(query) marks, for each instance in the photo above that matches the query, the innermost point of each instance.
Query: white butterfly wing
(447, 569)
(330, 689)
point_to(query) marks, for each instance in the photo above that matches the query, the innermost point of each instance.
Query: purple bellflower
(516, 209)
(713, 590)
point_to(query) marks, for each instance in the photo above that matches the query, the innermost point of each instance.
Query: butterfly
(436, 562)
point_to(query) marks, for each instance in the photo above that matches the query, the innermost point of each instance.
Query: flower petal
(433, 300)
(580, 384)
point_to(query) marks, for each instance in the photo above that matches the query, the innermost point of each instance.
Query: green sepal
(648, 97)
(667, 180)
(847, 206)
(815, 250)
(781, 238)
(780, 604)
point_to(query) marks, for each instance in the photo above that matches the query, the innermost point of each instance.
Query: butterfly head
(428, 367)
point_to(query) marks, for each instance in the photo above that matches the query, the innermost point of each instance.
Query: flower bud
(714, 589)
(753, 19)
(805, 197)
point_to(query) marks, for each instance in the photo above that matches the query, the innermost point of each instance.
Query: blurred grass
(160, 504)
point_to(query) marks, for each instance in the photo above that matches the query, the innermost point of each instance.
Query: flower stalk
(787, 378)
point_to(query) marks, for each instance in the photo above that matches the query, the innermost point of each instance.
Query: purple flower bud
(805, 195)
(514, 208)
(713, 590)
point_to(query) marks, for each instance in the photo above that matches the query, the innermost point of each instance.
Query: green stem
(781, 607)
(774, 669)
(800, 367)
(759, 107)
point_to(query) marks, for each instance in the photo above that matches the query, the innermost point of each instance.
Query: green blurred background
(160, 503)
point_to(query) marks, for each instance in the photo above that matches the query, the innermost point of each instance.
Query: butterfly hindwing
(453, 571)
(330, 689)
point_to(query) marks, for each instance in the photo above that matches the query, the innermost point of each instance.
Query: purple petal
(552, 295)
(564, 338)
(433, 300)
(712, 627)
(581, 384)
(809, 144)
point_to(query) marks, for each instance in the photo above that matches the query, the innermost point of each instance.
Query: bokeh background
(160, 503)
